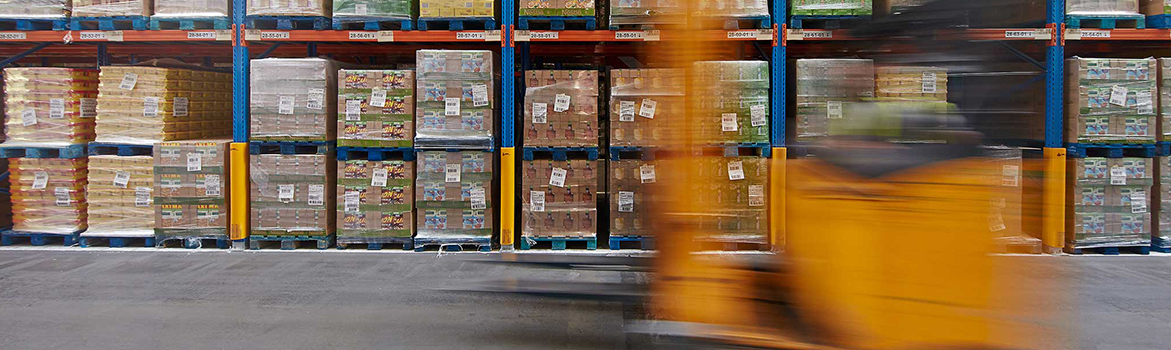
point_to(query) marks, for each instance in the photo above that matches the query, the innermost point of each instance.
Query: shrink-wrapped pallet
(453, 194)
(646, 106)
(1100, 8)
(733, 102)
(35, 9)
(145, 105)
(1109, 201)
(376, 108)
(559, 198)
(823, 85)
(112, 8)
(375, 200)
(561, 108)
(293, 195)
(352, 11)
(1110, 100)
(118, 193)
(48, 195)
(192, 9)
(455, 99)
(303, 8)
(456, 8)
(191, 187)
(293, 99)
(49, 106)
(831, 7)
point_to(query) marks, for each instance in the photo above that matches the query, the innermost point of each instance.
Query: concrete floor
(146, 299)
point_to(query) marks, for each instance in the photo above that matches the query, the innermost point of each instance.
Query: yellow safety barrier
(1053, 204)
(507, 195)
(777, 199)
(238, 195)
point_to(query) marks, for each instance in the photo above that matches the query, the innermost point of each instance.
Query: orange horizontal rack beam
(67, 36)
(957, 34)
(638, 35)
(464, 36)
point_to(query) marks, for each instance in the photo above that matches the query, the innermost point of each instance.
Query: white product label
(626, 111)
(1138, 202)
(285, 193)
(758, 115)
(194, 161)
(13, 36)
(735, 170)
(561, 103)
(557, 178)
(211, 185)
(540, 113)
(929, 83)
(142, 196)
(28, 117)
(999, 203)
(479, 200)
(638, 35)
(378, 97)
(62, 195)
(224, 35)
(728, 122)
(353, 109)
(451, 106)
(56, 108)
(351, 200)
(360, 9)
(1143, 100)
(121, 179)
(479, 95)
(1010, 175)
(201, 35)
(1118, 175)
(451, 173)
(755, 195)
(128, 81)
(115, 35)
(625, 201)
(996, 222)
(647, 110)
(89, 107)
(1118, 95)
(385, 36)
(379, 178)
(179, 109)
(150, 107)
(537, 199)
(647, 173)
(316, 99)
(317, 195)
(285, 105)
(833, 109)
(40, 179)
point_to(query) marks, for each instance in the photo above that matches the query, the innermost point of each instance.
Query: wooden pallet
(33, 24)
(189, 23)
(118, 242)
(405, 243)
(109, 23)
(67, 152)
(457, 23)
(289, 242)
(288, 22)
(371, 23)
(1105, 22)
(483, 244)
(106, 148)
(557, 23)
(11, 237)
(641, 242)
(559, 243)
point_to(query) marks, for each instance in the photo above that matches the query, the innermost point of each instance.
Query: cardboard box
(1110, 100)
(565, 206)
(293, 99)
(645, 106)
(112, 8)
(546, 8)
(363, 124)
(370, 208)
(448, 197)
(191, 202)
(574, 123)
(454, 99)
(290, 7)
(50, 105)
(119, 196)
(163, 104)
(293, 194)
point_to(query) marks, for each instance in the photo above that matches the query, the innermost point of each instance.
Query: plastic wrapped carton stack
(350, 11)
(907, 83)
(376, 108)
(1162, 236)
(144, 105)
(290, 8)
(733, 95)
(192, 9)
(453, 194)
(112, 8)
(647, 12)
(456, 8)
(191, 187)
(634, 193)
(292, 99)
(375, 200)
(1005, 212)
(119, 195)
(48, 195)
(1109, 202)
(291, 194)
(823, 85)
(35, 9)
(1110, 100)
(559, 198)
(728, 8)
(454, 99)
(644, 106)
(735, 189)
(557, 8)
(561, 108)
(49, 106)
(1165, 98)
(832, 7)
(1100, 8)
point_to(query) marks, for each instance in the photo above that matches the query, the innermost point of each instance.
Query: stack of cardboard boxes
(292, 99)
(454, 99)
(456, 8)
(118, 194)
(911, 83)
(1109, 202)
(1110, 100)
(735, 189)
(632, 13)
(291, 194)
(376, 108)
(191, 187)
(49, 106)
(192, 9)
(350, 11)
(561, 108)
(733, 97)
(35, 9)
(111, 8)
(453, 194)
(832, 7)
(48, 195)
(1165, 98)
(375, 200)
(557, 8)
(290, 7)
(645, 105)
(823, 86)
(559, 198)
(145, 105)
(635, 194)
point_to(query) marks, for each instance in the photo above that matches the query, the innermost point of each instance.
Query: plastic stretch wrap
(455, 99)
(1101, 7)
(5, 197)
(191, 187)
(832, 7)
(292, 99)
(145, 105)
(732, 8)
(560, 198)
(635, 193)
(290, 194)
(575, 8)
(738, 204)
(35, 9)
(290, 8)
(192, 8)
(561, 108)
(657, 12)
(453, 194)
(375, 199)
(111, 8)
(1109, 202)
(823, 85)
(904, 83)
(1165, 97)
(1005, 211)
(456, 8)
(1110, 100)
(733, 97)
(48, 195)
(49, 106)
(118, 195)
(1163, 234)
(347, 11)
(376, 108)
(645, 105)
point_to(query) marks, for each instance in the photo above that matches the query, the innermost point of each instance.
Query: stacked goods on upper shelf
(455, 95)
(348, 11)
(734, 189)
(376, 108)
(1101, 7)
(557, 8)
(191, 187)
(822, 86)
(118, 193)
(1108, 202)
(35, 9)
(638, 12)
(1110, 100)
(48, 195)
(905, 83)
(292, 99)
(188, 9)
(1165, 97)
(647, 103)
(1005, 212)
(375, 200)
(1162, 235)
(112, 8)
(456, 8)
(561, 108)
(453, 192)
(144, 105)
(634, 196)
(50, 106)
(290, 194)
(831, 8)
(728, 8)
(560, 198)
(733, 97)
(290, 8)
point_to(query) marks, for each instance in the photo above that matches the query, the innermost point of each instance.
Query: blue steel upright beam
(1053, 186)
(508, 183)
(239, 74)
(777, 109)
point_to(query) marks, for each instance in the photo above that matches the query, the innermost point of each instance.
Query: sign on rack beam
(13, 36)
(1079, 34)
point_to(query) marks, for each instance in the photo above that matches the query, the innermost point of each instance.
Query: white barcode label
(316, 99)
(211, 185)
(479, 200)
(833, 109)
(378, 97)
(1117, 175)
(89, 107)
(28, 117)
(353, 110)
(1010, 175)
(735, 170)
(451, 173)
(646, 173)
(285, 105)
(56, 108)
(759, 117)
(194, 161)
(540, 113)
(755, 195)
(128, 81)
(625, 201)
(1138, 202)
(728, 122)
(1143, 101)
(40, 179)
(62, 195)
(1118, 95)
(360, 9)
(379, 177)
(929, 82)
(451, 106)
(557, 177)
(121, 179)
(351, 199)
(317, 195)
(479, 95)
(285, 193)
(647, 110)
(626, 111)
(996, 222)
(150, 107)
(142, 196)
(561, 103)
(180, 107)
(537, 199)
